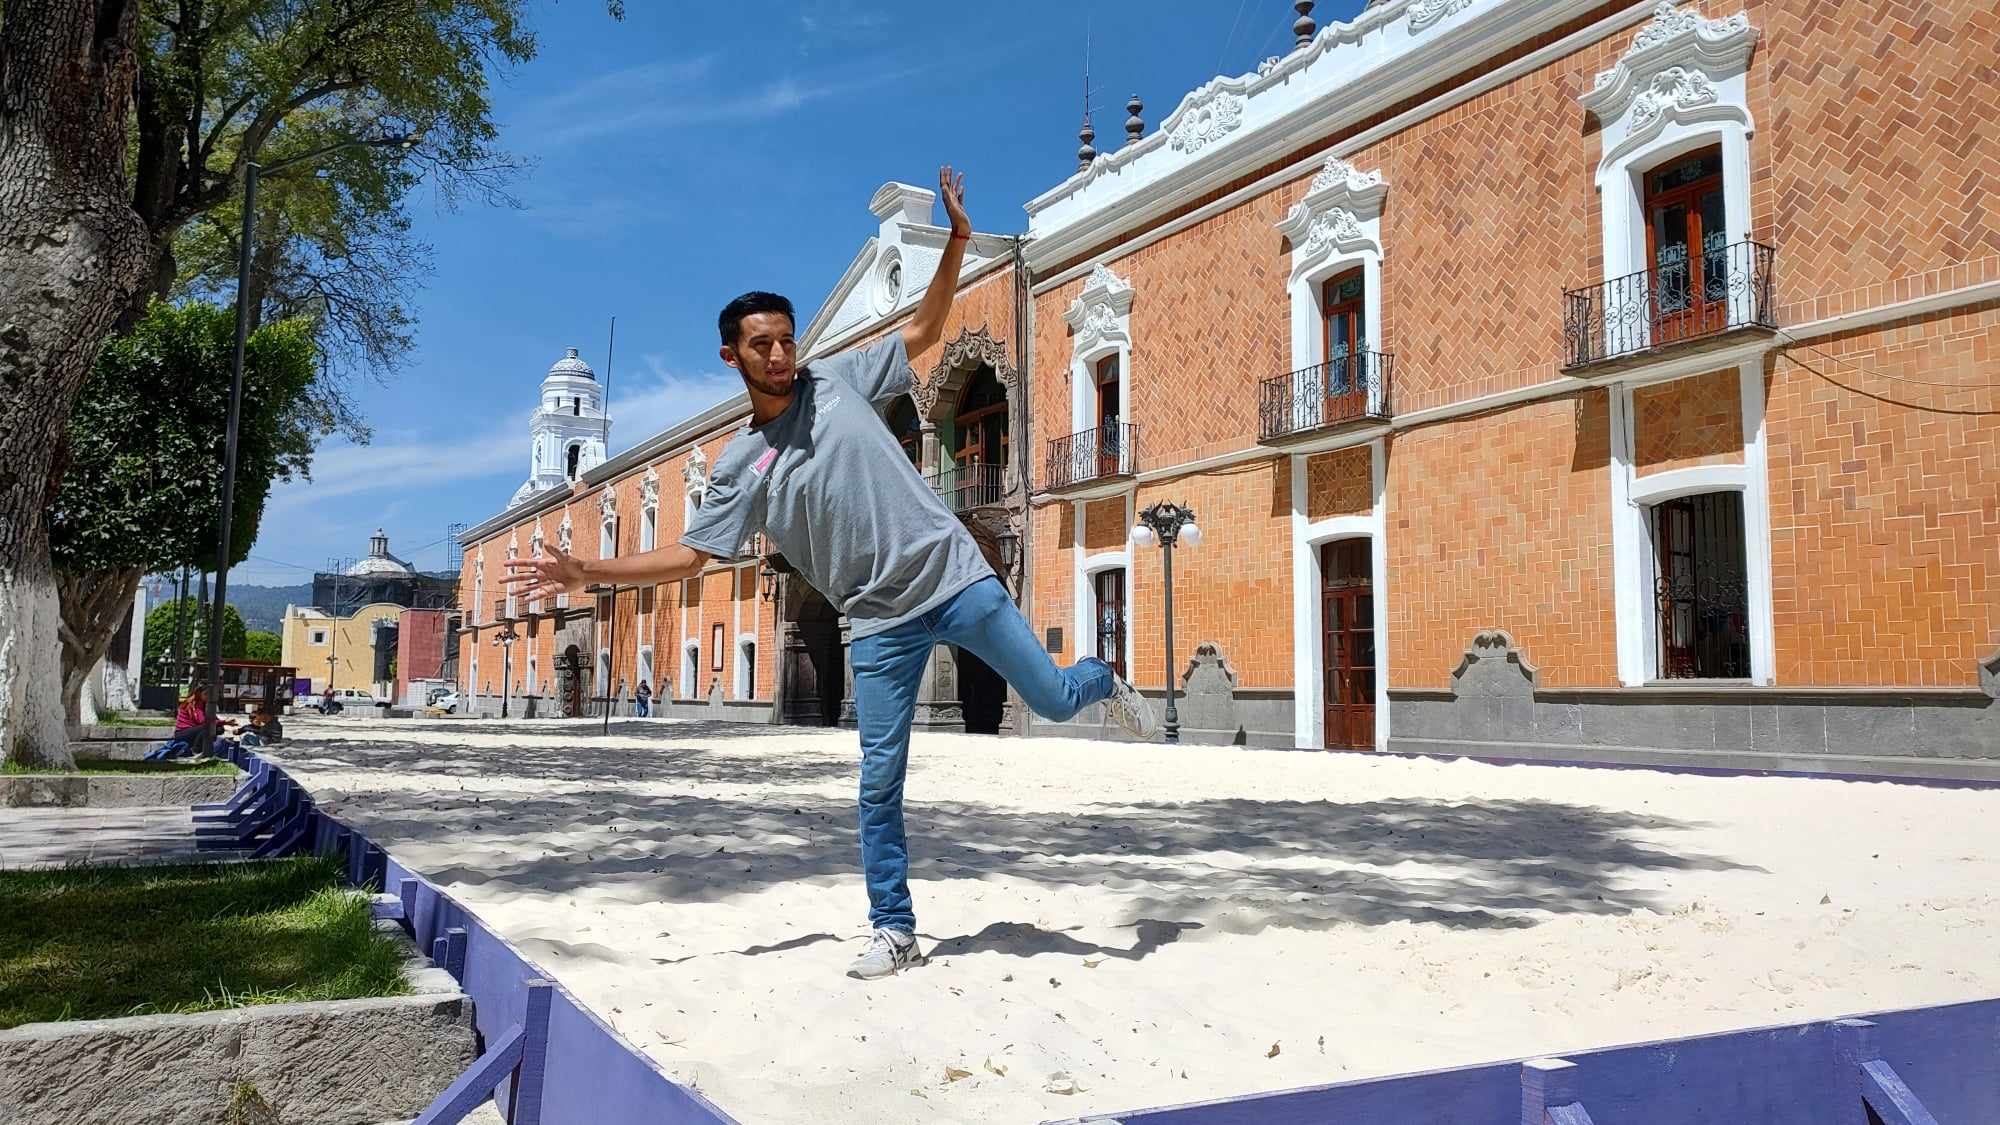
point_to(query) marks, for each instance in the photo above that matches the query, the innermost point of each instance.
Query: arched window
(575, 451)
(908, 428)
(979, 440)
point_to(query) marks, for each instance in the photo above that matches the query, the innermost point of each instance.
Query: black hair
(749, 304)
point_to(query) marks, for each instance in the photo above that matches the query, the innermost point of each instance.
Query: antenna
(610, 350)
(1086, 152)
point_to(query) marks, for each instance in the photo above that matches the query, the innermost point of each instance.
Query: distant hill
(263, 607)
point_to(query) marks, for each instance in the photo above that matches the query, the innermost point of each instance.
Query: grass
(106, 767)
(119, 719)
(103, 942)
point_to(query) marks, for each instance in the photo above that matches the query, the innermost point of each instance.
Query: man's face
(765, 353)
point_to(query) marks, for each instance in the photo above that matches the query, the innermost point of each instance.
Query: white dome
(379, 561)
(570, 365)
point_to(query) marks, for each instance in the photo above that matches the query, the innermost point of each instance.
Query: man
(816, 469)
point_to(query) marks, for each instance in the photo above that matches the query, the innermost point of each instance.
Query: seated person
(264, 727)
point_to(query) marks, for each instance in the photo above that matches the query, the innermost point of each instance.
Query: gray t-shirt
(835, 492)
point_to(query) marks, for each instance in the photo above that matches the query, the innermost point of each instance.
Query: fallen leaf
(1092, 962)
(996, 1068)
(1061, 1083)
(1826, 900)
(1272, 1053)
(1322, 1044)
(953, 1074)
(1054, 983)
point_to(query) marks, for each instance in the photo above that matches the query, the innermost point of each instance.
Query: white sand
(1152, 922)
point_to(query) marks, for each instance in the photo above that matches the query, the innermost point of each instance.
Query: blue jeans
(889, 665)
(640, 706)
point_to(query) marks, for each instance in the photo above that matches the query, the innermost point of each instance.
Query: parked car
(341, 700)
(446, 701)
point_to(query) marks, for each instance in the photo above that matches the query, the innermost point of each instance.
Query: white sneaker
(1131, 710)
(889, 952)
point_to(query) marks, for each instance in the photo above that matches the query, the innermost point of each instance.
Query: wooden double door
(1347, 639)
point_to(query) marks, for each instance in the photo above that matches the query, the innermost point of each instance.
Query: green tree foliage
(147, 437)
(223, 84)
(264, 646)
(163, 619)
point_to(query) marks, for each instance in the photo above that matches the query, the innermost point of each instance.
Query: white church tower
(568, 430)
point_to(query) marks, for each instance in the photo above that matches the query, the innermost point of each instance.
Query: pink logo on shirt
(764, 462)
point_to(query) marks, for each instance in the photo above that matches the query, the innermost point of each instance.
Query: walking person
(817, 470)
(644, 705)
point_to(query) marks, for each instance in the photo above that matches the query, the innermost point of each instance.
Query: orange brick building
(1549, 379)
(747, 640)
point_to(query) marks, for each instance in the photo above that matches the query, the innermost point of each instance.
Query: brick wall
(1885, 503)
(1688, 422)
(1341, 483)
(1502, 520)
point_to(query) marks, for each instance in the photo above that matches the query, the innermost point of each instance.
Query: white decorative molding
(1425, 14)
(535, 540)
(607, 503)
(1681, 67)
(562, 532)
(1233, 125)
(889, 280)
(1100, 314)
(1207, 115)
(1339, 173)
(695, 473)
(649, 488)
(1676, 89)
(1340, 216)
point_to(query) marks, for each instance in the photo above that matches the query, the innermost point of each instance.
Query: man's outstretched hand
(951, 189)
(557, 572)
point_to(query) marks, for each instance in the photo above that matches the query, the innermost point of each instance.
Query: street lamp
(1166, 523)
(506, 638)
(251, 172)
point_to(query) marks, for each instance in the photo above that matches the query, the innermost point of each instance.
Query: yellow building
(322, 647)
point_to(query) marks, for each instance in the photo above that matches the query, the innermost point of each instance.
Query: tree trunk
(71, 253)
(94, 606)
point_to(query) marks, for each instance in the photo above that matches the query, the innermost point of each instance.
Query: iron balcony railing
(1724, 288)
(1109, 450)
(1353, 388)
(965, 487)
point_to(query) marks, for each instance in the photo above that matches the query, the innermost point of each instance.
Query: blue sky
(695, 151)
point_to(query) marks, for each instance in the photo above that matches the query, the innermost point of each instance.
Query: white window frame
(690, 669)
(1335, 228)
(535, 552)
(604, 676)
(1101, 319)
(532, 680)
(513, 603)
(1308, 652)
(746, 662)
(1681, 87)
(1087, 569)
(318, 637)
(643, 661)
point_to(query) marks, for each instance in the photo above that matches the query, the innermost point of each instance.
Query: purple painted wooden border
(1948, 1056)
(1801, 1074)
(590, 1075)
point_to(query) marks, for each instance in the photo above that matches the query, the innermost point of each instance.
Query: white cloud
(405, 459)
(663, 398)
(668, 95)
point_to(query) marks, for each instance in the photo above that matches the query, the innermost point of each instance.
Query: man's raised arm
(560, 572)
(926, 325)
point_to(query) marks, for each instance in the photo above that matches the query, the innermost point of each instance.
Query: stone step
(115, 750)
(55, 790)
(99, 732)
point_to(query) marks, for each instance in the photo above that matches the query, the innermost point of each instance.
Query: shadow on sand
(1231, 864)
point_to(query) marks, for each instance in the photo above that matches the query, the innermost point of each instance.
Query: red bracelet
(955, 234)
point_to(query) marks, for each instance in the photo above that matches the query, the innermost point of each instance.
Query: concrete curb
(343, 1062)
(72, 791)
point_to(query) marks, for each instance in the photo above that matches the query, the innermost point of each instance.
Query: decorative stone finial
(1085, 152)
(1135, 126)
(1305, 26)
